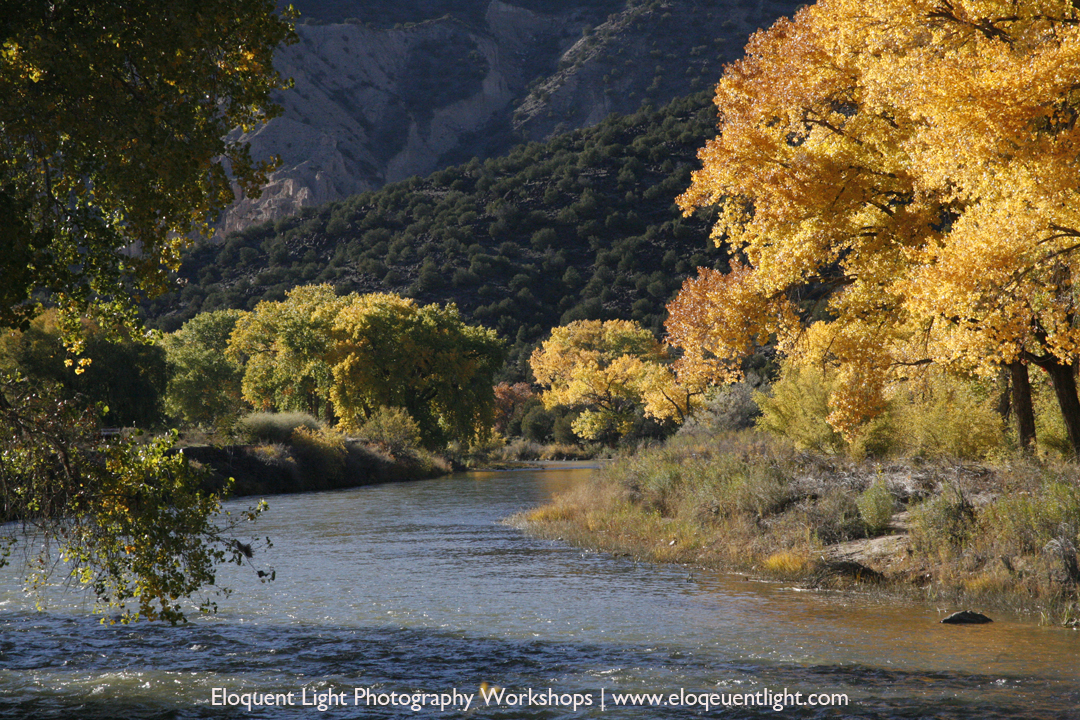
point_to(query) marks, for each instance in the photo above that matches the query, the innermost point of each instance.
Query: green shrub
(761, 490)
(833, 517)
(1023, 523)
(729, 478)
(876, 506)
(392, 428)
(934, 415)
(1050, 432)
(730, 408)
(943, 524)
(321, 450)
(563, 430)
(274, 427)
(941, 415)
(796, 407)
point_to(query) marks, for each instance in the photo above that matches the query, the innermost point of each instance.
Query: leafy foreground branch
(127, 520)
(1003, 536)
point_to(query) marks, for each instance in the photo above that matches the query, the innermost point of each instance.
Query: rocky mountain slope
(375, 103)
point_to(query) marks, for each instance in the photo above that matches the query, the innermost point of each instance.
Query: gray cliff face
(371, 106)
(649, 52)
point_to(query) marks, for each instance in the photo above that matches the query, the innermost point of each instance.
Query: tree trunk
(1021, 403)
(1063, 378)
(1004, 405)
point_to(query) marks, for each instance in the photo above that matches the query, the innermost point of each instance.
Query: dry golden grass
(787, 564)
(745, 502)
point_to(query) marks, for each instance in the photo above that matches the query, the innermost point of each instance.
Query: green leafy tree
(389, 351)
(350, 356)
(115, 146)
(126, 377)
(283, 348)
(115, 121)
(204, 383)
(137, 529)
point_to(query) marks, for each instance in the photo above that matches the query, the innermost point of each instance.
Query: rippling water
(416, 588)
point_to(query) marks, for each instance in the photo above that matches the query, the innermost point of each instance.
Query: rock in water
(966, 617)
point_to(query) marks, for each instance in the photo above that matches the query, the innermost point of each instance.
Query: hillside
(583, 226)
(388, 90)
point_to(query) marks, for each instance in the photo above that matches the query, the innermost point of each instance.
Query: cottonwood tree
(127, 376)
(509, 402)
(390, 352)
(345, 358)
(283, 346)
(204, 385)
(611, 370)
(114, 124)
(914, 163)
(114, 116)
(129, 520)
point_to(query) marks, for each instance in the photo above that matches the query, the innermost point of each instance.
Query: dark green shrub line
(289, 452)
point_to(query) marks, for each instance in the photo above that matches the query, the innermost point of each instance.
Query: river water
(387, 594)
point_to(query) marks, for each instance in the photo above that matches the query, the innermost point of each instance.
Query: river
(414, 595)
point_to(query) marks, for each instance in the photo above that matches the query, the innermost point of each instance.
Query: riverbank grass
(1001, 535)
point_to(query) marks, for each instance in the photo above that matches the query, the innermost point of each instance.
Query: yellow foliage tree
(350, 356)
(915, 163)
(610, 370)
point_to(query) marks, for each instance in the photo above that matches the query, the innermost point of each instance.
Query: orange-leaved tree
(509, 400)
(914, 164)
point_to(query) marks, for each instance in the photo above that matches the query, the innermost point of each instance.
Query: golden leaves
(921, 163)
(716, 319)
(609, 369)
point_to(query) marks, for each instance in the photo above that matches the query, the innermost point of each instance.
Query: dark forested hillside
(583, 226)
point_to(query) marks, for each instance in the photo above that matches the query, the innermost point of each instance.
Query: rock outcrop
(370, 106)
(649, 52)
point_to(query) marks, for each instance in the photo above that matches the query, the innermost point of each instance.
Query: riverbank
(318, 460)
(295, 467)
(991, 536)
